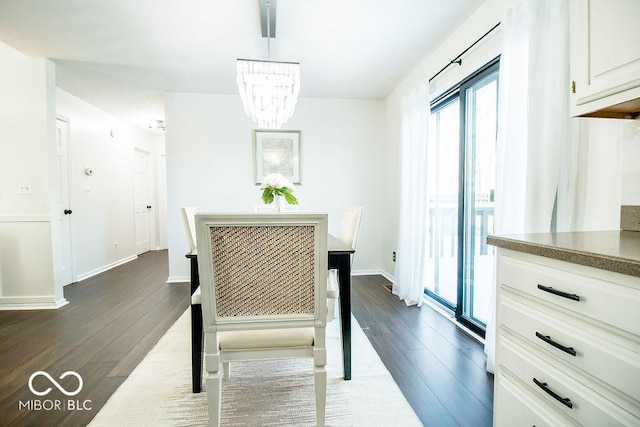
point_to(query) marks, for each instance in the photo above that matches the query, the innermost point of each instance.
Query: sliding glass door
(461, 182)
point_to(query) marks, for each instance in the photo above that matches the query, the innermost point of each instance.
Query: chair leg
(214, 397)
(197, 340)
(226, 367)
(320, 384)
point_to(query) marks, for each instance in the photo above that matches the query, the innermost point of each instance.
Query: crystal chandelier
(269, 89)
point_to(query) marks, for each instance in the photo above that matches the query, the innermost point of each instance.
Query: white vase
(278, 202)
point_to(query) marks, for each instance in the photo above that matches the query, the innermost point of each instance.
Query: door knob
(68, 211)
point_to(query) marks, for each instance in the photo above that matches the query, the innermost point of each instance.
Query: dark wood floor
(110, 324)
(114, 319)
(439, 368)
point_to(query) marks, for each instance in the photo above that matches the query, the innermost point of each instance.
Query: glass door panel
(479, 163)
(441, 267)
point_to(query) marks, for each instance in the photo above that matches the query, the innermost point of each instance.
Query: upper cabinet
(605, 58)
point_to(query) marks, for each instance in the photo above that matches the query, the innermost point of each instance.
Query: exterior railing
(443, 229)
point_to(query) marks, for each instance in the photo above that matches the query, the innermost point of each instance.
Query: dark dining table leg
(195, 277)
(343, 263)
(197, 332)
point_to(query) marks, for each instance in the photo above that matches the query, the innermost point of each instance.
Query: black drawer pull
(564, 400)
(559, 293)
(548, 340)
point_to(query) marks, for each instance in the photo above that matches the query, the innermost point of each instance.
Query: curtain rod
(457, 59)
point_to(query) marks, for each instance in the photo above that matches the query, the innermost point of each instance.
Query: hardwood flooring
(439, 368)
(115, 318)
(110, 324)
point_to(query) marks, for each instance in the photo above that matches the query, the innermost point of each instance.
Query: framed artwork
(277, 152)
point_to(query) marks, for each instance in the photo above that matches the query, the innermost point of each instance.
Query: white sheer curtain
(533, 123)
(409, 272)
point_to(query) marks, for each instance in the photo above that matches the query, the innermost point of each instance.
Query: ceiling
(122, 55)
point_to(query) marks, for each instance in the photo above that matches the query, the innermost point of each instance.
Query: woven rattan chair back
(261, 267)
(263, 270)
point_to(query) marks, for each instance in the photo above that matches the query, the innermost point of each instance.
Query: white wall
(27, 126)
(103, 203)
(210, 165)
(631, 163)
(599, 180)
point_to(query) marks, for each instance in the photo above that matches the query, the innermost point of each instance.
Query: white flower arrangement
(274, 184)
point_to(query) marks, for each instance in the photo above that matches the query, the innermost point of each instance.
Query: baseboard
(178, 279)
(382, 273)
(102, 269)
(388, 276)
(31, 303)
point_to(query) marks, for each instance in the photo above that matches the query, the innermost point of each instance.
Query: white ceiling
(122, 55)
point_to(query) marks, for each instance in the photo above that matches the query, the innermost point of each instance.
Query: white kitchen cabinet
(567, 344)
(605, 58)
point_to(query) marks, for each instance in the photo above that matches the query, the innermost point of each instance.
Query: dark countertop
(617, 251)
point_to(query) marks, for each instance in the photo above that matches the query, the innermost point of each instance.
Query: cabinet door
(605, 57)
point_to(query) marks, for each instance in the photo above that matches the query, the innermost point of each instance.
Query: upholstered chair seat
(262, 339)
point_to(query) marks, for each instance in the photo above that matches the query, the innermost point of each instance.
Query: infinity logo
(54, 382)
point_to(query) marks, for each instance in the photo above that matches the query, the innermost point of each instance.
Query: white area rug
(158, 391)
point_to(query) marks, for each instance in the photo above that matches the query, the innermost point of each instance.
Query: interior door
(62, 211)
(162, 203)
(142, 201)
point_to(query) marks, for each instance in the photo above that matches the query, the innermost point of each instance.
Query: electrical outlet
(115, 245)
(24, 189)
(394, 256)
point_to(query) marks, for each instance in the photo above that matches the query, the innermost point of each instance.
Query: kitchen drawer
(587, 407)
(584, 348)
(606, 301)
(517, 406)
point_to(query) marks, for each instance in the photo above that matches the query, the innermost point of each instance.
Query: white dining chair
(350, 225)
(349, 231)
(271, 208)
(189, 217)
(263, 281)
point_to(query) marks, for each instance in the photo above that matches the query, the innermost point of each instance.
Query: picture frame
(276, 151)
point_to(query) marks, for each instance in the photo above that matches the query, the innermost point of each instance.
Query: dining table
(339, 258)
